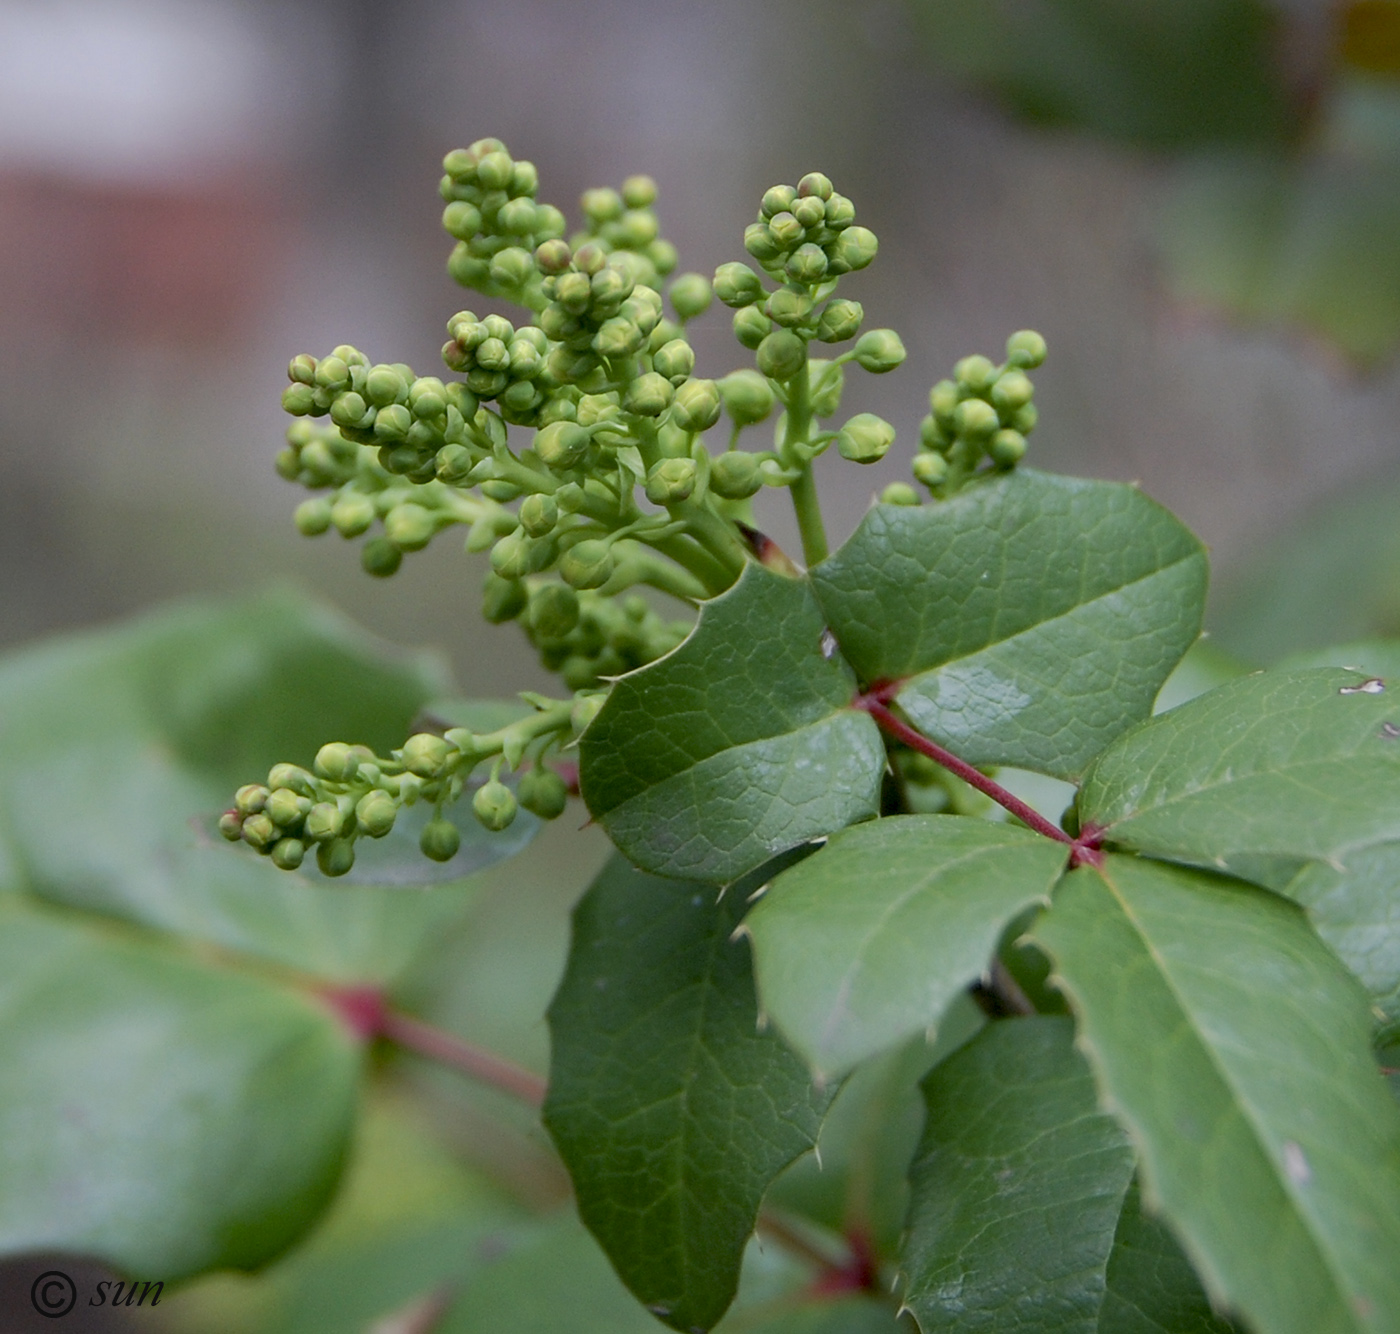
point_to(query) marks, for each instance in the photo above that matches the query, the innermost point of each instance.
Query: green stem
(640, 566)
(804, 489)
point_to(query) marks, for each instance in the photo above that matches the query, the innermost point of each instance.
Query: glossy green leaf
(118, 749)
(671, 1110)
(1030, 619)
(1161, 76)
(740, 744)
(866, 942)
(1023, 1214)
(1229, 1041)
(164, 1116)
(1282, 765)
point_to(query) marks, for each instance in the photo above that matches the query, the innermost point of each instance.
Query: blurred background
(1197, 202)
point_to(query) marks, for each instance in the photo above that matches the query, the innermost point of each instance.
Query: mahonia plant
(1174, 1117)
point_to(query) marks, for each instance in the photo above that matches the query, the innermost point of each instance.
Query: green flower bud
(671, 481)
(649, 395)
(440, 840)
(466, 268)
(336, 857)
(930, 469)
(302, 369)
(553, 257)
(751, 326)
(596, 408)
(494, 170)
(760, 242)
(542, 792)
(380, 557)
(785, 229)
(461, 220)
(1011, 392)
(696, 406)
(899, 493)
(384, 385)
(554, 610)
(250, 798)
(231, 826)
(259, 832)
(513, 266)
(811, 213)
(748, 397)
(601, 205)
(494, 805)
(424, 754)
(375, 813)
(287, 464)
(840, 212)
(502, 599)
(538, 515)
(866, 438)
(840, 320)
(337, 762)
(1025, 349)
(587, 565)
(427, 398)
(570, 498)
(737, 285)
(638, 191)
(663, 255)
(788, 306)
(807, 264)
(879, 350)
(586, 709)
(777, 199)
(618, 337)
(324, 821)
(690, 295)
(517, 217)
(855, 247)
(781, 355)
(636, 228)
(975, 375)
(814, 183)
(675, 360)
(332, 373)
(287, 853)
(975, 419)
(511, 556)
(943, 400)
(573, 291)
(454, 463)
(292, 776)
(299, 400)
(313, 517)
(591, 258)
(524, 179)
(392, 424)
(932, 435)
(1007, 448)
(348, 409)
(735, 475)
(409, 527)
(561, 444)
(1025, 419)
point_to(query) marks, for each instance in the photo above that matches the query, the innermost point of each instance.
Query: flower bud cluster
(350, 792)
(984, 411)
(503, 363)
(499, 225)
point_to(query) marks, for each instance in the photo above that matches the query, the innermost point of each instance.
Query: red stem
(1084, 850)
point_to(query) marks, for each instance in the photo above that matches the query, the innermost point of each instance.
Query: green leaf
(740, 744)
(867, 942)
(164, 1116)
(1029, 620)
(1281, 765)
(1373, 657)
(671, 1110)
(1022, 1212)
(1228, 1040)
(1158, 76)
(118, 749)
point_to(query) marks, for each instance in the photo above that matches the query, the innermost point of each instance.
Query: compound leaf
(163, 1115)
(671, 1110)
(1028, 621)
(868, 941)
(1236, 1051)
(740, 744)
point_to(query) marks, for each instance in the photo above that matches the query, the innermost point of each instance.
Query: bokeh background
(1198, 204)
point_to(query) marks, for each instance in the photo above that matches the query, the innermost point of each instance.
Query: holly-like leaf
(738, 745)
(163, 1115)
(118, 749)
(671, 1110)
(868, 941)
(1236, 1050)
(1028, 621)
(1277, 765)
(1022, 1213)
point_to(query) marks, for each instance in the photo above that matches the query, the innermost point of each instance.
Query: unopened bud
(348, 409)
(380, 557)
(855, 247)
(231, 826)
(454, 463)
(1025, 349)
(1007, 448)
(777, 199)
(760, 242)
(781, 355)
(899, 493)
(690, 295)
(512, 267)
(561, 444)
(337, 761)
(879, 350)
(502, 599)
(1011, 392)
(250, 798)
(639, 192)
(748, 397)
(975, 375)
(336, 857)
(375, 813)
(259, 832)
(313, 517)
(751, 326)
(440, 840)
(299, 400)
(542, 792)
(975, 419)
(737, 285)
(675, 360)
(287, 853)
(587, 565)
(649, 395)
(286, 809)
(424, 754)
(494, 805)
(735, 475)
(554, 610)
(930, 469)
(302, 369)
(291, 776)
(461, 220)
(866, 438)
(538, 515)
(384, 385)
(840, 320)
(697, 405)
(671, 481)
(807, 264)
(324, 821)
(788, 306)
(392, 423)
(814, 183)
(618, 337)
(409, 527)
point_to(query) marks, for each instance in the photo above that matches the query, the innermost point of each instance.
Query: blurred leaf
(1371, 36)
(740, 744)
(1173, 75)
(166, 1116)
(1313, 242)
(1027, 621)
(670, 1108)
(1236, 1051)
(1203, 668)
(117, 748)
(866, 942)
